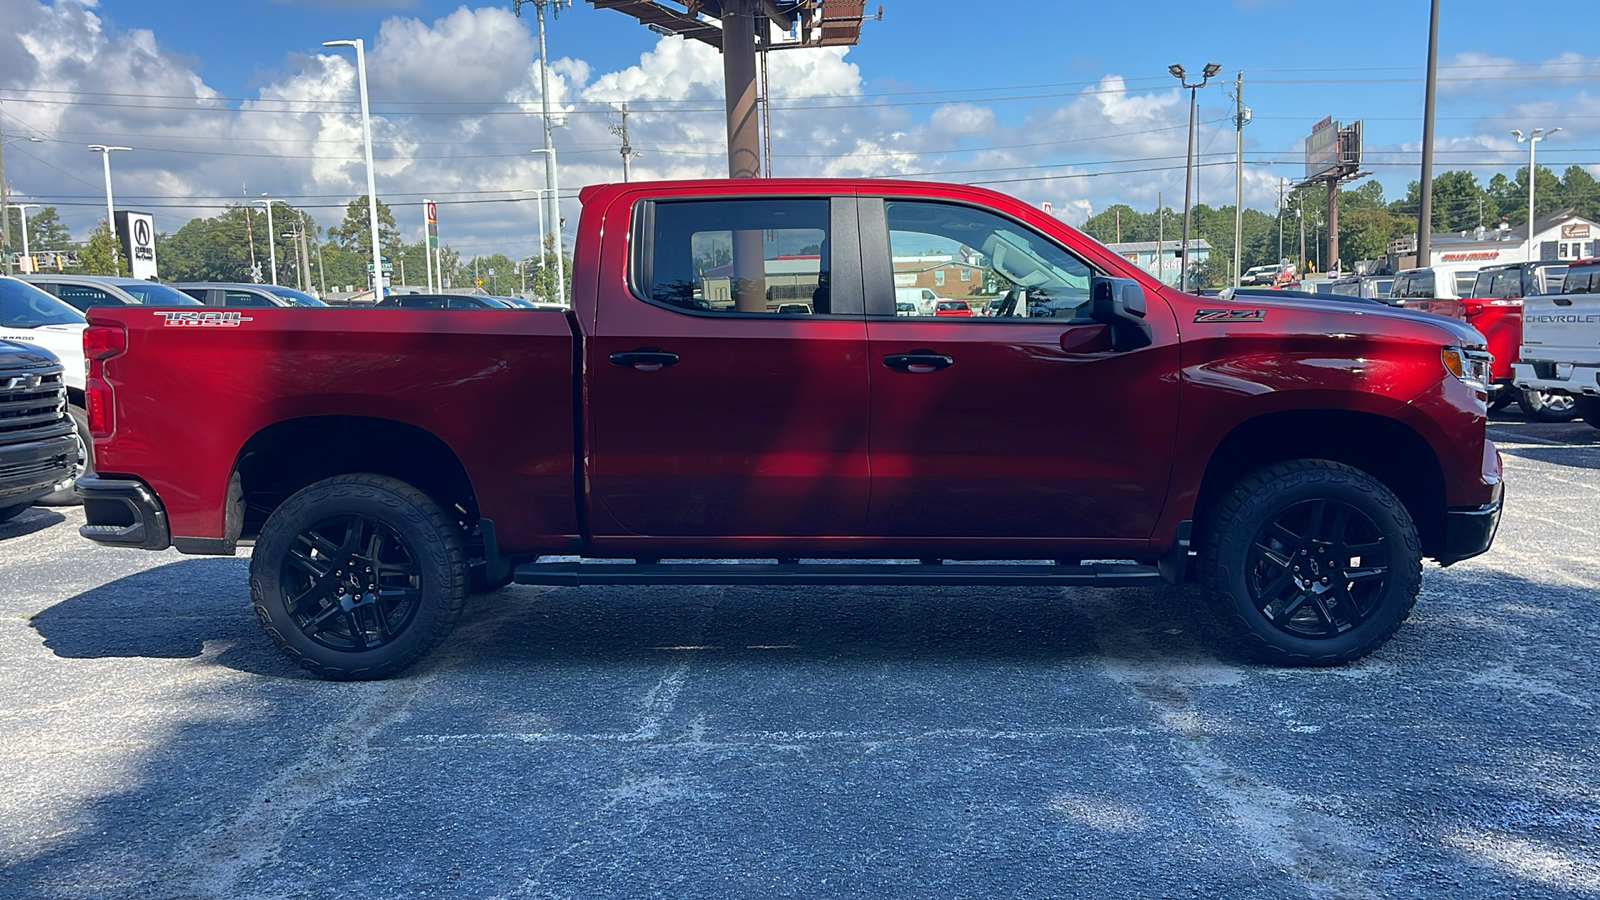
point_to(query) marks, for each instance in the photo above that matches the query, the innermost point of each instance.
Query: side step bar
(577, 574)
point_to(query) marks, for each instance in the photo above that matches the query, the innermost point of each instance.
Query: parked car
(1558, 360)
(34, 318)
(1259, 275)
(952, 308)
(246, 296)
(1494, 307)
(38, 447)
(1324, 448)
(1370, 287)
(1283, 294)
(442, 301)
(84, 291)
(924, 298)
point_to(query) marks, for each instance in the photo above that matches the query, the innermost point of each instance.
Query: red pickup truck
(733, 381)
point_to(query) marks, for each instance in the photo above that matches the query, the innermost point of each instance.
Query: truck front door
(1017, 420)
(727, 390)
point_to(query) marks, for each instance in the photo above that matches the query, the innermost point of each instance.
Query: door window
(244, 299)
(736, 256)
(82, 298)
(1012, 271)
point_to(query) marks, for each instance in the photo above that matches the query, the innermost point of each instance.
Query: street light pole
(1188, 169)
(272, 237)
(111, 214)
(1532, 138)
(27, 254)
(551, 178)
(372, 184)
(1241, 118)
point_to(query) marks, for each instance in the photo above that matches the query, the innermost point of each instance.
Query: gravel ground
(623, 742)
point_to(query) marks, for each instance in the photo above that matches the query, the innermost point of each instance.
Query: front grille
(28, 410)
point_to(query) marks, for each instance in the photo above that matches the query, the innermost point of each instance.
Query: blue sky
(1069, 103)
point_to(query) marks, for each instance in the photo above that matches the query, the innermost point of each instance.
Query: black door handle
(647, 360)
(919, 362)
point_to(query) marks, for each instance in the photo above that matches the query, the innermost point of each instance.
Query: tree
(354, 233)
(45, 231)
(102, 256)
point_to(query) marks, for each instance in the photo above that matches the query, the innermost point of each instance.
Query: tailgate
(1561, 328)
(193, 386)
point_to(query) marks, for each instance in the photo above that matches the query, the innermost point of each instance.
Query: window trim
(641, 255)
(880, 201)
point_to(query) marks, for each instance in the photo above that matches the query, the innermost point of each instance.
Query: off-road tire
(1538, 406)
(1240, 517)
(1588, 409)
(431, 540)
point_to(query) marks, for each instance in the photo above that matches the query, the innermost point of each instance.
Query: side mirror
(1119, 303)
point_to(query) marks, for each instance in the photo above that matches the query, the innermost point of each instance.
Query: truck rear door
(726, 375)
(1019, 420)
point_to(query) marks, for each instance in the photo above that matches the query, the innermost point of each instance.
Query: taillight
(100, 343)
(104, 341)
(1470, 309)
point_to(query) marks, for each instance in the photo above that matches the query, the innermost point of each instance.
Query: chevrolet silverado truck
(1560, 351)
(734, 399)
(38, 447)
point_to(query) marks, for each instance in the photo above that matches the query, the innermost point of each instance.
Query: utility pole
(1241, 116)
(1281, 183)
(5, 203)
(249, 235)
(1300, 213)
(622, 132)
(1425, 208)
(1161, 240)
(305, 252)
(1119, 224)
(550, 177)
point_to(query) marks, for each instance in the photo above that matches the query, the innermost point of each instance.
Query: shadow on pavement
(1579, 456)
(36, 519)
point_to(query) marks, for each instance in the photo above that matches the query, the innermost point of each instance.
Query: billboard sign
(1322, 149)
(137, 232)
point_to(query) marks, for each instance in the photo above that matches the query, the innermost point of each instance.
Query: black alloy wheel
(1313, 562)
(358, 576)
(1318, 569)
(354, 582)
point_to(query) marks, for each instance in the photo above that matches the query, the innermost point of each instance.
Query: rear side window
(244, 299)
(1503, 285)
(1582, 281)
(1415, 286)
(82, 298)
(737, 256)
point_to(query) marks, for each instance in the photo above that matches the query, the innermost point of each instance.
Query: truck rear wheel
(1313, 562)
(359, 576)
(1547, 406)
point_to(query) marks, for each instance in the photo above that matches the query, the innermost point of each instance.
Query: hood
(14, 354)
(1377, 319)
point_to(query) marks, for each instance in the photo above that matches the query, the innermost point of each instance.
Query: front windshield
(24, 306)
(300, 297)
(151, 294)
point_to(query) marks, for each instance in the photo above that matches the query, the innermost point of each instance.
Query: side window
(973, 263)
(243, 299)
(1506, 284)
(81, 298)
(738, 256)
(459, 303)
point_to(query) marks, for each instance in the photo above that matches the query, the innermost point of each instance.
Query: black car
(38, 444)
(83, 292)
(441, 301)
(246, 296)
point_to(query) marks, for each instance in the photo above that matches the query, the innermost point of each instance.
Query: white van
(923, 298)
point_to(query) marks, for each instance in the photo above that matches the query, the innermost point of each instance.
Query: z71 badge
(1229, 315)
(218, 319)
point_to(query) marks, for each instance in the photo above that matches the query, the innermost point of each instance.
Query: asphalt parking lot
(666, 742)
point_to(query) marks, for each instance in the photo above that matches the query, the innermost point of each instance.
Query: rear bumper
(1577, 380)
(122, 513)
(1469, 532)
(30, 471)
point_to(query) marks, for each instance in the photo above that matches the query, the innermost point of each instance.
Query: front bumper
(1469, 532)
(1568, 378)
(30, 471)
(122, 513)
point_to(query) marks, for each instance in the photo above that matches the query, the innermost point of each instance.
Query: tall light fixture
(272, 236)
(1533, 137)
(550, 175)
(27, 255)
(372, 184)
(1188, 169)
(111, 214)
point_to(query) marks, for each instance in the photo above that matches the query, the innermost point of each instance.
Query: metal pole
(1188, 180)
(1533, 140)
(427, 245)
(372, 183)
(305, 252)
(1238, 174)
(5, 200)
(272, 240)
(551, 180)
(1281, 183)
(739, 77)
(1161, 240)
(1425, 208)
(27, 253)
(111, 215)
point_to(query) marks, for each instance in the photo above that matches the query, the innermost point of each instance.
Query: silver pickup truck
(1561, 341)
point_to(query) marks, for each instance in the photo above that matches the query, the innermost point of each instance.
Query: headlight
(1470, 367)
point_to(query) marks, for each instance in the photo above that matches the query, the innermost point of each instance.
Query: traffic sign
(480, 282)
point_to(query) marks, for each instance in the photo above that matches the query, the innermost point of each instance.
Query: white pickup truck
(1561, 341)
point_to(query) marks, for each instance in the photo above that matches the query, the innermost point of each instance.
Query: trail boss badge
(219, 319)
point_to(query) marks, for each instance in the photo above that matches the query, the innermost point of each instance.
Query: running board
(577, 574)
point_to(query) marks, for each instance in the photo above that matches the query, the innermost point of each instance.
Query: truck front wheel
(359, 576)
(1313, 562)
